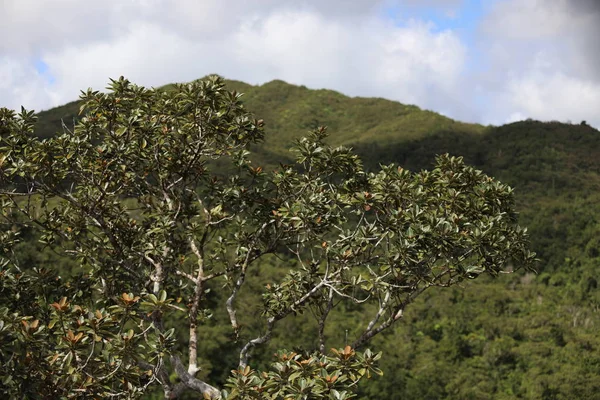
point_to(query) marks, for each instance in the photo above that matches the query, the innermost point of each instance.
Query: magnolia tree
(153, 196)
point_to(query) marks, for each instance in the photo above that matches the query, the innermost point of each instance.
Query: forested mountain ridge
(519, 336)
(553, 166)
(289, 111)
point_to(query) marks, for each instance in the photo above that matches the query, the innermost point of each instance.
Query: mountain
(289, 111)
(554, 166)
(520, 336)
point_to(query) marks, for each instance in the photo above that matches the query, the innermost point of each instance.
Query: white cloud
(300, 47)
(29, 27)
(419, 60)
(300, 42)
(542, 62)
(21, 84)
(555, 97)
(371, 58)
(146, 55)
(445, 5)
(536, 58)
(514, 117)
(526, 20)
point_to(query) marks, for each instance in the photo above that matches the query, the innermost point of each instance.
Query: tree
(153, 195)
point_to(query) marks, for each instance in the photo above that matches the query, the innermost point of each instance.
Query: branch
(160, 373)
(158, 275)
(301, 300)
(185, 274)
(382, 308)
(322, 322)
(191, 382)
(193, 315)
(396, 314)
(245, 352)
(240, 281)
(354, 299)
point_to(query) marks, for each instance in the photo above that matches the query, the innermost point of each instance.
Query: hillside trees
(154, 197)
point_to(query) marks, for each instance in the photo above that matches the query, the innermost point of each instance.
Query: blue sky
(462, 19)
(489, 62)
(44, 70)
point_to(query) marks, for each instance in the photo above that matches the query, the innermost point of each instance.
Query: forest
(531, 334)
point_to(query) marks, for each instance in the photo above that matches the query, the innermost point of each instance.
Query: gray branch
(191, 382)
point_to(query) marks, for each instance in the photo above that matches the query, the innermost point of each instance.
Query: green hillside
(518, 336)
(289, 111)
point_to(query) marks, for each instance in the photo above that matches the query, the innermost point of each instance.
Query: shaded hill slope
(554, 167)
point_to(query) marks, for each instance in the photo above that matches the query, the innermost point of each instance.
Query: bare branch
(354, 299)
(192, 382)
(396, 314)
(185, 274)
(382, 307)
(157, 276)
(322, 320)
(240, 281)
(193, 314)
(245, 352)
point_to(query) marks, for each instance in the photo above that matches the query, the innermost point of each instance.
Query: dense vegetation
(519, 336)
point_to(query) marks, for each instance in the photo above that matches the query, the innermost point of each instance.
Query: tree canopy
(154, 196)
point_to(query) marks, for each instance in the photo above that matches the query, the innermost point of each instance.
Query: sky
(484, 61)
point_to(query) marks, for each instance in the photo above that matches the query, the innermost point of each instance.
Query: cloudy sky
(487, 61)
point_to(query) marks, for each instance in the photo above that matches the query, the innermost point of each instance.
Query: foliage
(153, 196)
(298, 376)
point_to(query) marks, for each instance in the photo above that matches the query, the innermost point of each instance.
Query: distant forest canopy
(528, 336)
